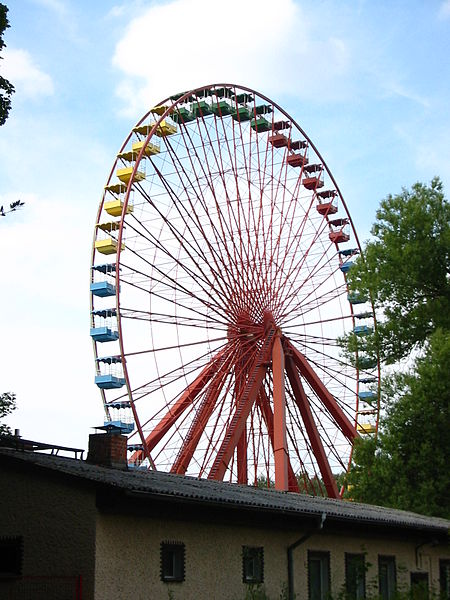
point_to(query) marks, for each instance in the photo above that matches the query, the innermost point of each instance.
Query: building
(73, 529)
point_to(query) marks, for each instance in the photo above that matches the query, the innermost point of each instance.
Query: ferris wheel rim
(169, 110)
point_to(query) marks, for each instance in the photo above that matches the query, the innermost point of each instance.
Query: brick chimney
(108, 450)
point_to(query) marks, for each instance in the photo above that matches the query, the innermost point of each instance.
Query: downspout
(290, 551)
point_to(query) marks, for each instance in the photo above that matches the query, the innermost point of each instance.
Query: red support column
(266, 411)
(241, 451)
(279, 417)
(311, 428)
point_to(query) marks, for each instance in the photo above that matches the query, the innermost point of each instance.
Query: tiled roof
(191, 489)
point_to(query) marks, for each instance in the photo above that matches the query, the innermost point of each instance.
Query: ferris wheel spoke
(217, 235)
(198, 274)
(316, 302)
(219, 319)
(322, 268)
(303, 325)
(294, 271)
(172, 319)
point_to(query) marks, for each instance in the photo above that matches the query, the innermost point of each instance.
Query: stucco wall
(128, 564)
(57, 522)
(404, 551)
(130, 548)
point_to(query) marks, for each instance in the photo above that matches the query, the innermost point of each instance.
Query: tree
(7, 405)
(406, 467)
(6, 88)
(406, 271)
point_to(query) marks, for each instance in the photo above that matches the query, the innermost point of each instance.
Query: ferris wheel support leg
(180, 406)
(267, 414)
(241, 448)
(311, 428)
(256, 375)
(241, 451)
(279, 417)
(344, 424)
(204, 412)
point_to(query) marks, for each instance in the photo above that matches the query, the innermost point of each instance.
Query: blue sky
(368, 81)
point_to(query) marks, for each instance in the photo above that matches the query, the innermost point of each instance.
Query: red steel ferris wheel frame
(275, 355)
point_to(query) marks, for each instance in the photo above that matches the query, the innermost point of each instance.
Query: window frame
(355, 590)
(325, 573)
(11, 553)
(254, 556)
(175, 554)
(388, 561)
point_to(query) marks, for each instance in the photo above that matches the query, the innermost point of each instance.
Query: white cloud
(57, 6)
(28, 79)
(187, 43)
(397, 89)
(444, 10)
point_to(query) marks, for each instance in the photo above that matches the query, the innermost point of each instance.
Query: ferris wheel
(219, 294)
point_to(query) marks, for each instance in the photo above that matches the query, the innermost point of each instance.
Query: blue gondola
(345, 267)
(103, 289)
(104, 334)
(366, 362)
(356, 298)
(109, 382)
(118, 426)
(368, 396)
(361, 330)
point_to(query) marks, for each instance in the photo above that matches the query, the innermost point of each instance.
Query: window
(11, 552)
(355, 576)
(419, 586)
(387, 576)
(318, 575)
(444, 578)
(172, 561)
(252, 564)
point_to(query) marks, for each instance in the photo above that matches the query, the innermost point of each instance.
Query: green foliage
(405, 269)
(407, 466)
(6, 88)
(263, 483)
(258, 592)
(7, 405)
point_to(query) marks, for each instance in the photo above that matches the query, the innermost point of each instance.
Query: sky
(369, 82)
